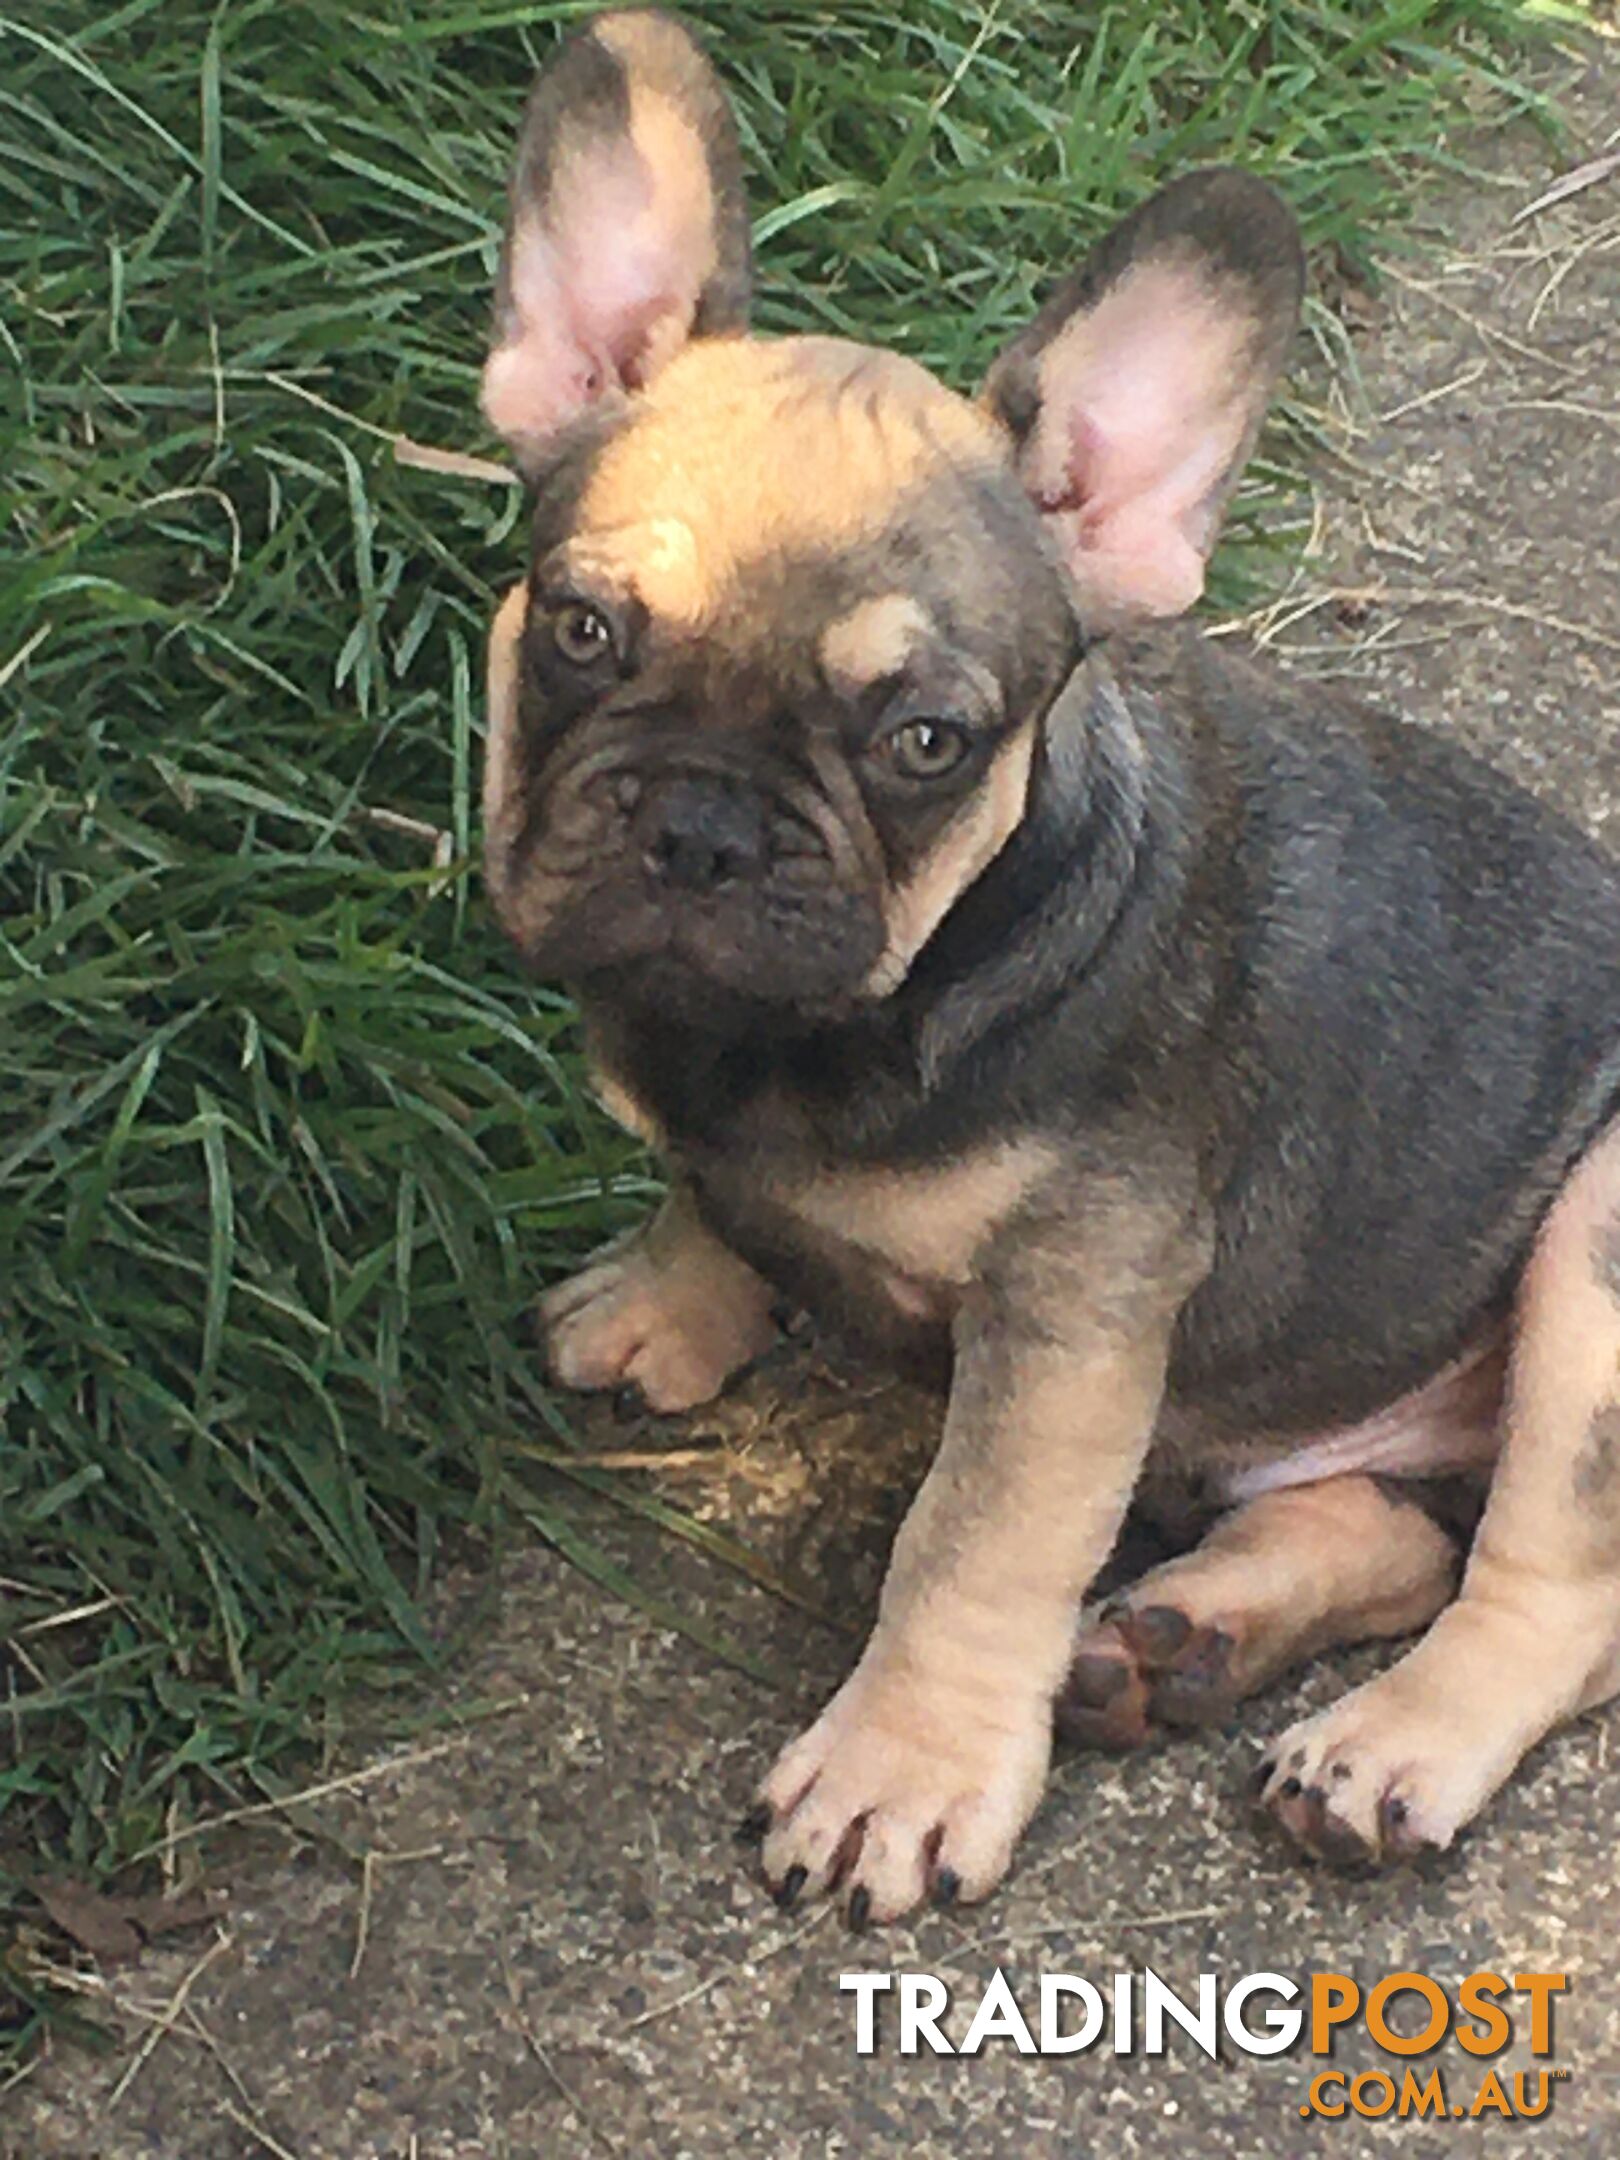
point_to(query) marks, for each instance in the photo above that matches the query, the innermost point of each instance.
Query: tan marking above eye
(657, 559)
(875, 639)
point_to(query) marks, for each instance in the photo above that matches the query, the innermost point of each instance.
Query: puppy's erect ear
(627, 232)
(1134, 397)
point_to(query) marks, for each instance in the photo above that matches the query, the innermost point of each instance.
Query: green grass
(285, 1145)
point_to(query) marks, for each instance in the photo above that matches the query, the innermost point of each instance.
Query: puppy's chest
(910, 1238)
(887, 1242)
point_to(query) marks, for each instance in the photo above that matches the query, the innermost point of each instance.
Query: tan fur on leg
(924, 1768)
(1405, 1761)
(1280, 1579)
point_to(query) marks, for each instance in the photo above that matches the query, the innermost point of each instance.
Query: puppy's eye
(582, 633)
(926, 749)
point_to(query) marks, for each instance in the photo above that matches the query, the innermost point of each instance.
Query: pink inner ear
(604, 283)
(1145, 403)
(547, 370)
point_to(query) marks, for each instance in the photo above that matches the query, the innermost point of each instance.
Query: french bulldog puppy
(1220, 1079)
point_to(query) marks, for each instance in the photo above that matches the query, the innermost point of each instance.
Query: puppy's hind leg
(1403, 1762)
(1288, 1574)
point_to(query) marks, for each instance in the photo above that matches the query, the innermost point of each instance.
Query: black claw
(1341, 1845)
(947, 1888)
(629, 1403)
(1401, 1835)
(860, 1909)
(787, 1890)
(1393, 1826)
(1264, 1771)
(751, 1830)
(1290, 1788)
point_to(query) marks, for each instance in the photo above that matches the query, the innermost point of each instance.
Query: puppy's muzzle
(701, 834)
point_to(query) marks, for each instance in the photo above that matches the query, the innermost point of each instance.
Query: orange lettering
(1474, 1997)
(1334, 1998)
(1421, 2100)
(1408, 1983)
(1490, 2094)
(1541, 1988)
(1319, 2086)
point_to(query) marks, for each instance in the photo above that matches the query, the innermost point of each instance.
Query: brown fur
(700, 489)
(1113, 1054)
(945, 1725)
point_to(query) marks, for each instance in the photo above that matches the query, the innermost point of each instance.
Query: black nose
(700, 834)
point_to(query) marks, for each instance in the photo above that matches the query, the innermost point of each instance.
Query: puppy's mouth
(691, 874)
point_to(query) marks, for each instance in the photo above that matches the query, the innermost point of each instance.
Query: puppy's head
(773, 693)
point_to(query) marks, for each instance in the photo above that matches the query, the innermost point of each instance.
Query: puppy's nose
(701, 834)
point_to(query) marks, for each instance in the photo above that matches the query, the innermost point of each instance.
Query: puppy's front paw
(904, 1788)
(669, 1311)
(1361, 1781)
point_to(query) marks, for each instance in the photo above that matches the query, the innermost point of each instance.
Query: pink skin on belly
(1451, 1423)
